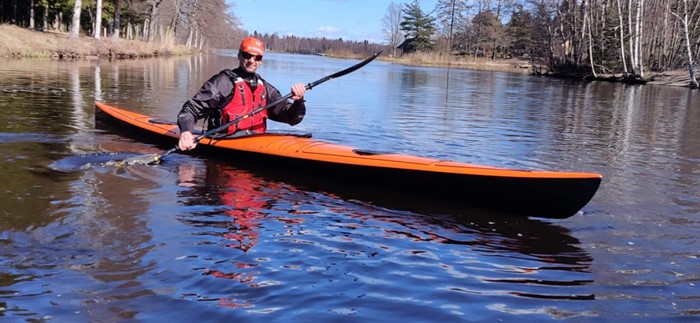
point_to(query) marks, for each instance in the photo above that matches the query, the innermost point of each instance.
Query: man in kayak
(234, 93)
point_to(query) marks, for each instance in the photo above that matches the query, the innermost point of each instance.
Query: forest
(577, 38)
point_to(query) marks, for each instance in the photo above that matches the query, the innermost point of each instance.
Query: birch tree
(683, 10)
(635, 26)
(622, 37)
(75, 25)
(587, 33)
(31, 14)
(98, 19)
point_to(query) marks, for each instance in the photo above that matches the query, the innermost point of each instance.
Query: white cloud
(327, 31)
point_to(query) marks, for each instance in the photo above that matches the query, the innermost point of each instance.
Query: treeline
(303, 45)
(574, 37)
(196, 23)
(568, 37)
(204, 24)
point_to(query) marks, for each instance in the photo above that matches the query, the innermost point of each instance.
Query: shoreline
(17, 42)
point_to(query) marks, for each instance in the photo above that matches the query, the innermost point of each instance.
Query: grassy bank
(22, 42)
(432, 59)
(463, 62)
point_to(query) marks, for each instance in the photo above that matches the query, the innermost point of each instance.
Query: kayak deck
(520, 192)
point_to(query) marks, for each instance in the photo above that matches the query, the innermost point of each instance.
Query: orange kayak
(547, 194)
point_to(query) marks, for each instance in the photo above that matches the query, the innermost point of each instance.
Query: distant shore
(17, 42)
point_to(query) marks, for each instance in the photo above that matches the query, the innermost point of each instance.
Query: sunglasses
(247, 55)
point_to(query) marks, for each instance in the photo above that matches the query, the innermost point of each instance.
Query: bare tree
(75, 25)
(98, 19)
(684, 22)
(503, 7)
(392, 26)
(622, 38)
(587, 27)
(450, 13)
(635, 26)
(31, 14)
(117, 19)
(152, 19)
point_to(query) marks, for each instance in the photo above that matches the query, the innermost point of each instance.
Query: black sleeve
(287, 112)
(213, 95)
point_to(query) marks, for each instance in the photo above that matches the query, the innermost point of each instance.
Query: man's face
(249, 62)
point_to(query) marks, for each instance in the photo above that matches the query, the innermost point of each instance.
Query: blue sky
(356, 20)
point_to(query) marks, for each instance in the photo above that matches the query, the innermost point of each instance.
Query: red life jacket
(243, 101)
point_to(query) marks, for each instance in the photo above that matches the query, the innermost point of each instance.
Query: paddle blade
(85, 161)
(151, 159)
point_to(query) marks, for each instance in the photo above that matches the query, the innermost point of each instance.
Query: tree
(418, 27)
(450, 13)
(488, 29)
(519, 30)
(502, 8)
(117, 19)
(392, 23)
(31, 14)
(684, 24)
(75, 25)
(542, 34)
(635, 41)
(152, 22)
(98, 19)
(622, 37)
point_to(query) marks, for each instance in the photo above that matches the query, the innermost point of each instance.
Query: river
(201, 238)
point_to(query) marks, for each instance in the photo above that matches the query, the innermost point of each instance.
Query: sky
(356, 20)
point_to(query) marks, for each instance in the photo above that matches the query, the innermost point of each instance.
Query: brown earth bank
(672, 78)
(20, 42)
(26, 43)
(680, 78)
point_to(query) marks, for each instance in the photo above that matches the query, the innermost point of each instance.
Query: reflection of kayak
(520, 192)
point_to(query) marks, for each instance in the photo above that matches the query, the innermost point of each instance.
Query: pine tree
(519, 29)
(418, 26)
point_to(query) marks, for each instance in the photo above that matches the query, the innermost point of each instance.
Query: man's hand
(186, 141)
(298, 91)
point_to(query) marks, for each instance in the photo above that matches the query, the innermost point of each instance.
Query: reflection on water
(225, 239)
(273, 241)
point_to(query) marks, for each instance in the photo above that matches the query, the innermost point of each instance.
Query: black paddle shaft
(276, 102)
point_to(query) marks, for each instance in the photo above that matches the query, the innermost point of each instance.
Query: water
(203, 237)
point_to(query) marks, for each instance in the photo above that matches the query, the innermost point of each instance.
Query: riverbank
(26, 43)
(432, 59)
(480, 63)
(20, 42)
(678, 78)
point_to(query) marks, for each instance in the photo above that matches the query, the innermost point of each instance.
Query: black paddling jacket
(217, 92)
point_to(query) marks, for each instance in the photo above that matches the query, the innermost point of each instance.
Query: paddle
(155, 158)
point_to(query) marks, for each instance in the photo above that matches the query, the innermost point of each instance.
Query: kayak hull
(518, 192)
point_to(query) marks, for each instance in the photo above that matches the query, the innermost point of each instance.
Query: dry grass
(340, 53)
(21, 42)
(465, 62)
